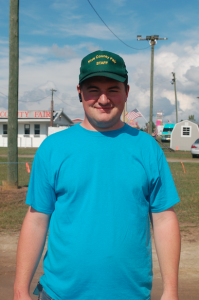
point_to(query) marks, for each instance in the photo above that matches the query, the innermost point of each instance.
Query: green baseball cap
(103, 63)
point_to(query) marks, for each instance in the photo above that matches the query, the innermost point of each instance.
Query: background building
(184, 134)
(32, 126)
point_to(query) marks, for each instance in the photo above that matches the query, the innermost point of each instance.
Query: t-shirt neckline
(102, 133)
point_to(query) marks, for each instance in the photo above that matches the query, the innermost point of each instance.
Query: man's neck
(103, 127)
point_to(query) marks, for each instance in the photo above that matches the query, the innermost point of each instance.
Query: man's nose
(103, 99)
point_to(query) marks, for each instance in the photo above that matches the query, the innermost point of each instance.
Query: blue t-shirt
(99, 188)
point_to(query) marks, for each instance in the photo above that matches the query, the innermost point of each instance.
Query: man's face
(103, 101)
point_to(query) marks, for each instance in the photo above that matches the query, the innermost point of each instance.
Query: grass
(176, 154)
(23, 175)
(21, 151)
(179, 155)
(13, 209)
(12, 203)
(188, 189)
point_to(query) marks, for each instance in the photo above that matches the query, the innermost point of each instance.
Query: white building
(184, 134)
(32, 126)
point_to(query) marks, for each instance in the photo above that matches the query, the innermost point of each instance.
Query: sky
(54, 36)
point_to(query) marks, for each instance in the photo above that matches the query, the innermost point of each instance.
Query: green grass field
(21, 151)
(23, 175)
(179, 155)
(188, 190)
(13, 209)
(175, 154)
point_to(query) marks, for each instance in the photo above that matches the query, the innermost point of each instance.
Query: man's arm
(167, 242)
(30, 247)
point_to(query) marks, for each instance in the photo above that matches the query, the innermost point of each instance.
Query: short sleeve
(41, 195)
(163, 194)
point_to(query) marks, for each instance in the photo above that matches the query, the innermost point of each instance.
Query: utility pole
(51, 114)
(152, 41)
(173, 81)
(12, 174)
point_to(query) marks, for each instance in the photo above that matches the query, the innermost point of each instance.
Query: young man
(94, 186)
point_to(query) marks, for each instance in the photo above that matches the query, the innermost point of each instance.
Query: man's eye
(93, 91)
(113, 91)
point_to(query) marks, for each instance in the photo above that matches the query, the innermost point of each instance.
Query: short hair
(125, 84)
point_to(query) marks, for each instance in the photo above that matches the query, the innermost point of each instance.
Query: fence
(24, 170)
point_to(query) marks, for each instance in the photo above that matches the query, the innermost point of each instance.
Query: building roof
(77, 121)
(59, 117)
(194, 122)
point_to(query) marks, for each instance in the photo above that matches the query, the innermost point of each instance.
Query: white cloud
(80, 29)
(69, 52)
(193, 74)
(3, 42)
(62, 5)
(66, 51)
(166, 61)
(47, 86)
(38, 74)
(92, 30)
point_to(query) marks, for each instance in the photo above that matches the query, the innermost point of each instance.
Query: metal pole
(51, 114)
(12, 175)
(151, 88)
(176, 103)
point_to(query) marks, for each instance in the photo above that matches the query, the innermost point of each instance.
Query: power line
(3, 94)
(43, 99)
(34, 100)
(112, 31)
(65, 99)
(65, 102)
(156, 82)
(28, 101)
(4, 88)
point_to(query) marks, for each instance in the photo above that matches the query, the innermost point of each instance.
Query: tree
(191, 118)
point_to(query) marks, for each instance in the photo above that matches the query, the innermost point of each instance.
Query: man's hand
(167, 242)
(19, 296)
(29, 251)
(168, 296)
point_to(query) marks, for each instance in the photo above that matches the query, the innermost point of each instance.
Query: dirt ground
(188, 275)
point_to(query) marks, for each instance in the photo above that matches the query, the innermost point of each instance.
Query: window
(167, 129)
(5, 129)
(26, 128)
(186, 131)
(37, 129)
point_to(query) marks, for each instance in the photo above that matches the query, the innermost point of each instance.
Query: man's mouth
(104, 108)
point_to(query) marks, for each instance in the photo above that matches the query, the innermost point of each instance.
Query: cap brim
(105, 74)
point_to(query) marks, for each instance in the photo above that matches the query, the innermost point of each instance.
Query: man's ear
(128, 88)
(79, 93)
